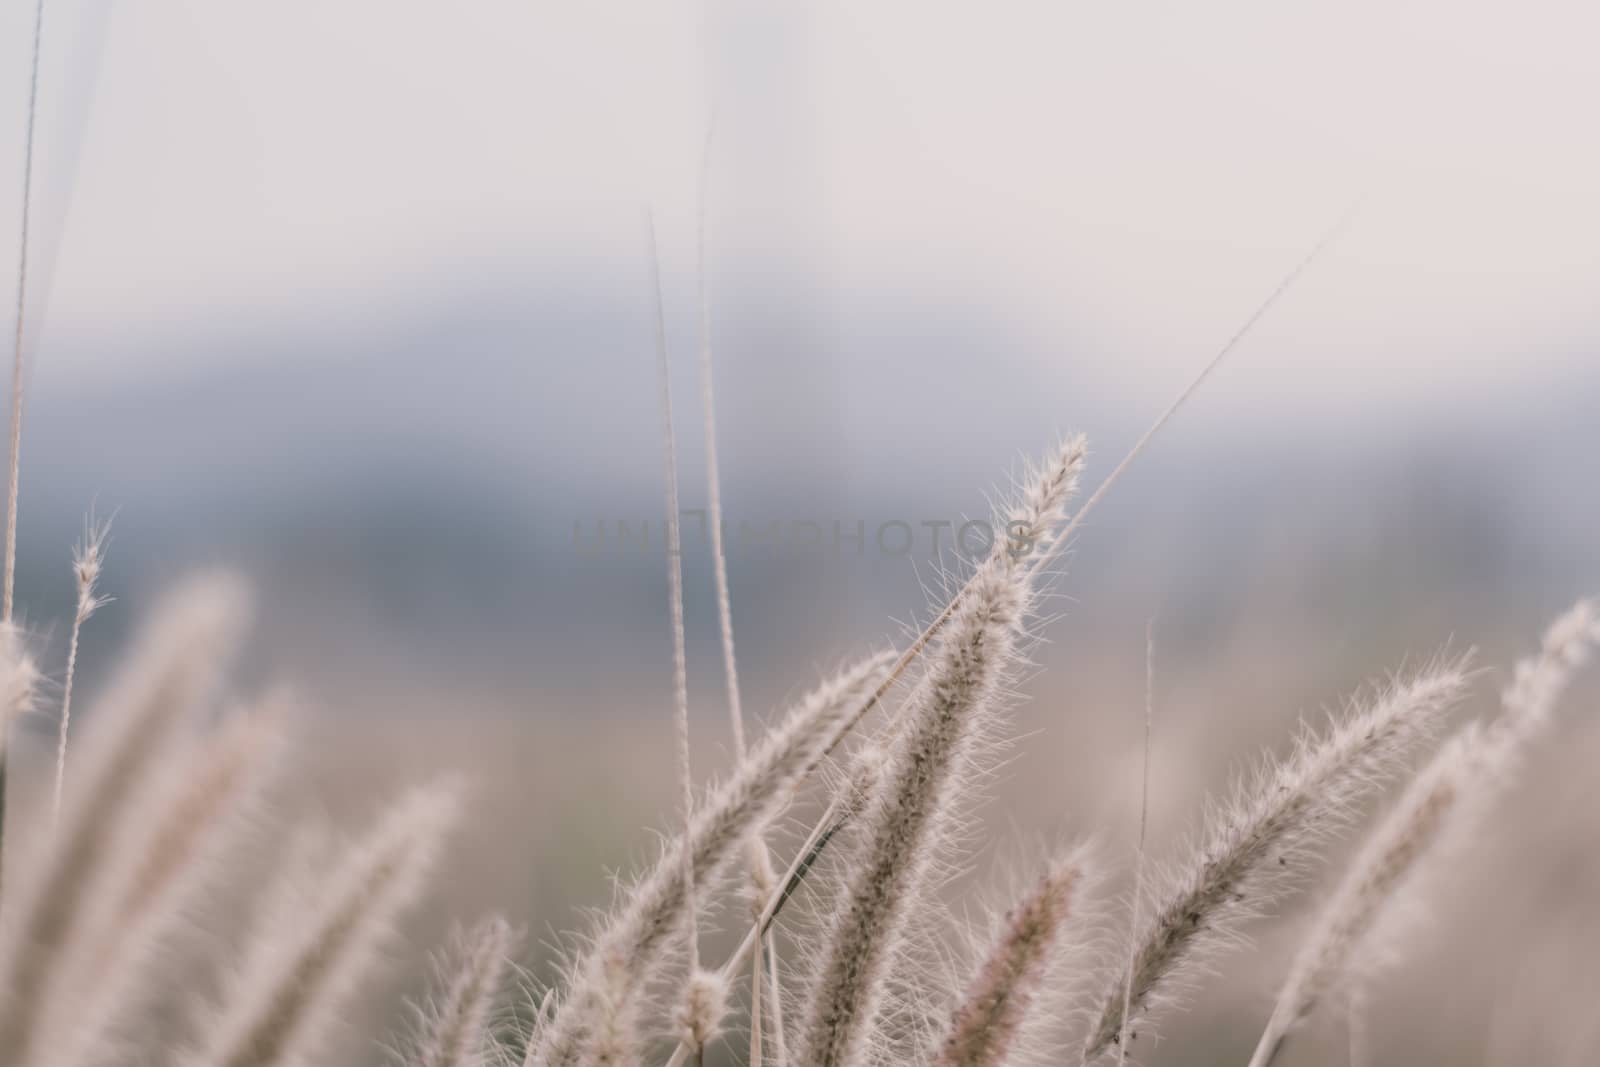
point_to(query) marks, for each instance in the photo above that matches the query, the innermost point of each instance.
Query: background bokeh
(355, 297)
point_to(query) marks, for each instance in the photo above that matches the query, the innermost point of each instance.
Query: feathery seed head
(1256, 847)
(1433, 815)
(88, 556)
(598, 1012)
(174, 664)
(19, 677)
(913, 816)
(705, 1004)
(987, 1022)
(222, 776)
(1538, 681)
(1341, 940)
(868, 765)
(191, 823)
(305, 960)
(1042, 500)
(454, 1023)
(86, 560)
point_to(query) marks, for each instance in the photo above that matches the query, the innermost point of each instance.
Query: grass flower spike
(87, 560)
(987, 1023)
(910, 819)
(1258, 845)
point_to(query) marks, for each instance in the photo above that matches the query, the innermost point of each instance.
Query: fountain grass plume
(701, 1009)
(170, 672)
(1379, 871)
(629, 946)
(1030, 522)
(454, 1024)
(303, 962)
(1357, 931)
(903, 827)
(987, 1023)
(1258, 844)
(913, 815)
(1538, 681)
(19, 686)
(19, 679)
(194, 824)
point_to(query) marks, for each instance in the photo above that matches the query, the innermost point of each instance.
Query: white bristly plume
(304, 962)
(1258, 845)
(600, 1005)
(932, 765)
(1358, 930)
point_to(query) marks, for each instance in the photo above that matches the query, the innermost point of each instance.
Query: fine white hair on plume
(1539, 680)
(1257, 846)
(194, 825)
(170, 672)
(702, 1009)
(313, 949)
(1384, 862)
(19, 679)
(891, 866)
(1360, 928)
(1038, 512)
(629, 947)
(453, 1025)
(991, 1018)
(1144, 825)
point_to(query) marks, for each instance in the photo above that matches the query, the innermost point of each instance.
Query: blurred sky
(1121, 182)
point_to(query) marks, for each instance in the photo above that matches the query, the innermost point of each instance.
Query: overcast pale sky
(1135, 176)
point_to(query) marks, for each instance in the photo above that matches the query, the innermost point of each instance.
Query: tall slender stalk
(87, 559)
(680, 677)
(1144, 819)
(8, 597)
(762, 875)
(704, 999)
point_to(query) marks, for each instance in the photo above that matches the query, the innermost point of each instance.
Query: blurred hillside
(407, 487)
